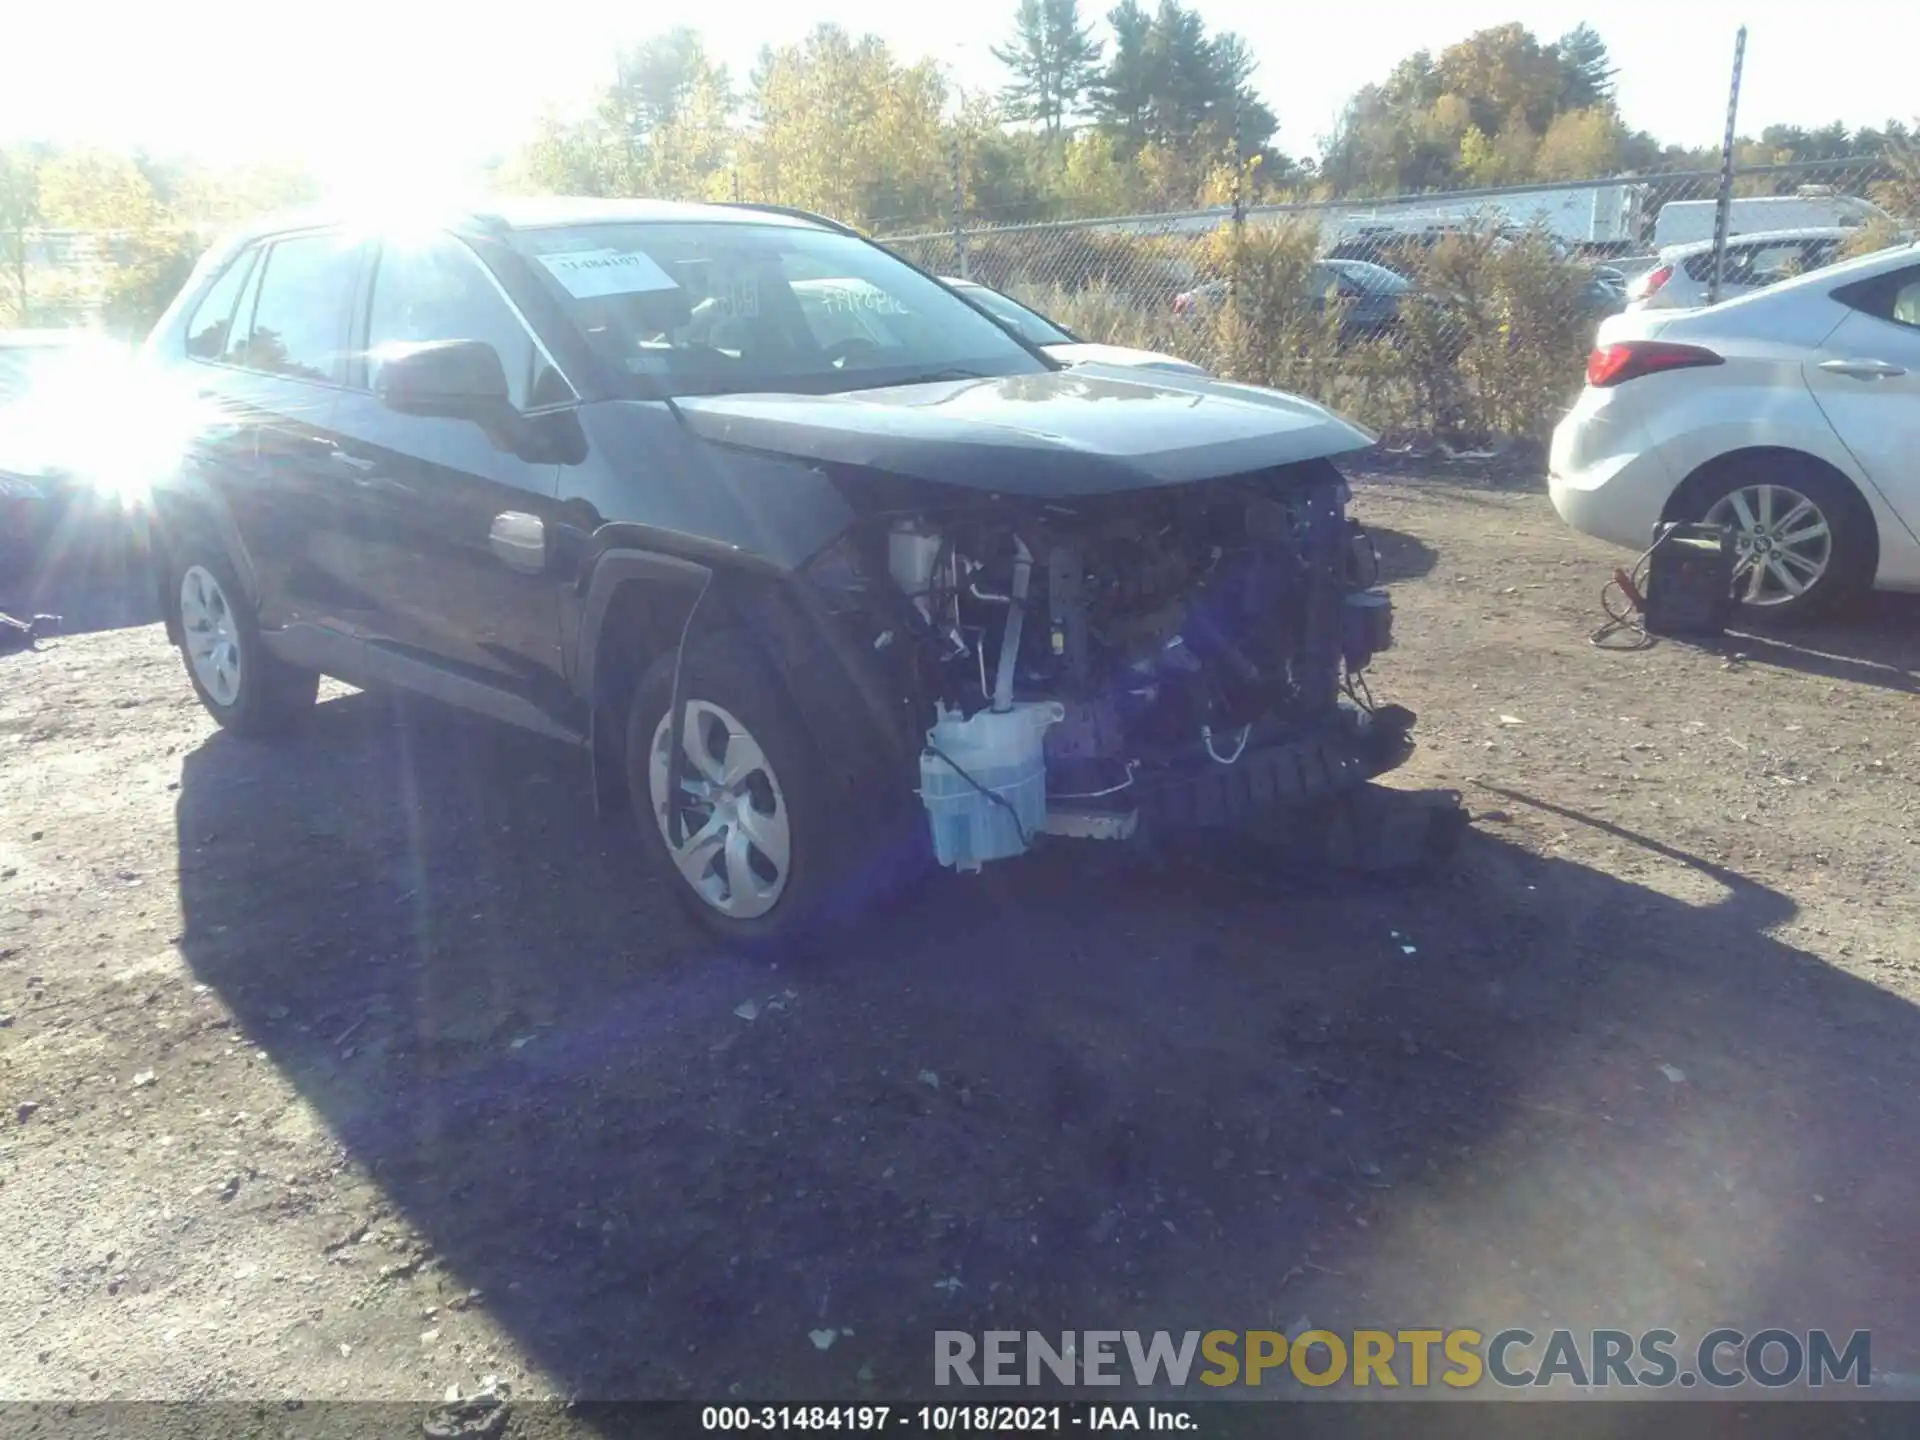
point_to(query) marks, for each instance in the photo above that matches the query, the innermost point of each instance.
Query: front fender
(614, 568)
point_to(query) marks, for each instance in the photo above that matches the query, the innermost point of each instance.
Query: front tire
(762, 857)
(1803, 538)
(243, 685)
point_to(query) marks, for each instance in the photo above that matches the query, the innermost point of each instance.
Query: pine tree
(1054, 59)
(1238, 116)
(1123, 93)
(1185, 84)
(1586, 69)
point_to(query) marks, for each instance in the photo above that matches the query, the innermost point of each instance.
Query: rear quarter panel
(1693, 417)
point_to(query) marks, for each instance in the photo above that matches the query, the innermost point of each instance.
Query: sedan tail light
(1182, 304)
(1652, 281)
(1630, 359)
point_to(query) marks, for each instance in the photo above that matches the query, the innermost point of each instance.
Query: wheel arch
(1679, 503)
(175, 519)
(636, 609)
(641, 604)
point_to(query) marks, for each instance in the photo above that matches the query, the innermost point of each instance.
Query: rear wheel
(1803, 538)
(243, 685)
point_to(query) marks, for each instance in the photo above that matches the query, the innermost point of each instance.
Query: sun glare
(104, 419)
(393, 201)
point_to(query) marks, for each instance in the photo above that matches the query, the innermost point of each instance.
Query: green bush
(1490, 344)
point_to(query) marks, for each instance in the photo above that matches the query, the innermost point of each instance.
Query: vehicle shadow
(1037, 1098)
(1402, 556)
(1879, 646)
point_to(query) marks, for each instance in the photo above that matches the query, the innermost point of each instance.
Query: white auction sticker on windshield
(590, 274)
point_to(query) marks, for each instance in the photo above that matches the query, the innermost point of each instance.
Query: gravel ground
(371, 1065)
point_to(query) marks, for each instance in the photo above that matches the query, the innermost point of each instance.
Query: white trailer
(1681, 222)
(1580, 215)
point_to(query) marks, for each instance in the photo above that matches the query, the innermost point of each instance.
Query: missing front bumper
(1278, 777)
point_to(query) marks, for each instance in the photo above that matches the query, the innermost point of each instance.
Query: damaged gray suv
(828, 591)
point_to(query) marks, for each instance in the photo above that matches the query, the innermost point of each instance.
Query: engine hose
(1010, 640)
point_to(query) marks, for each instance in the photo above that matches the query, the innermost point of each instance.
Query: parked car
(1791, 415)
(1604, 293)
(1684, 275)
(1630, 268)
(1058, 341)
(1369, 297)
(915, 585)
(1376, 243)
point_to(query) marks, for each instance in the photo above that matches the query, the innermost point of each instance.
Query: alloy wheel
(1782, 542)
(212, 634)
(736, 843)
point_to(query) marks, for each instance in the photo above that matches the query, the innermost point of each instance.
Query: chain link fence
(1467, 314)
(59, 278)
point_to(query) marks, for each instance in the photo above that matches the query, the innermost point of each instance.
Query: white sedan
(1791, 415)
(1683, 274)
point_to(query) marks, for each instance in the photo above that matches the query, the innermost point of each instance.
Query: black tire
(271, 697)
(838, 869)
(1850, 557)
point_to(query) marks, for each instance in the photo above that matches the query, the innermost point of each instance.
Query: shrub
(1489, 343)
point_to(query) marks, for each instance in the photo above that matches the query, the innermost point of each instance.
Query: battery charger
(1689, 585)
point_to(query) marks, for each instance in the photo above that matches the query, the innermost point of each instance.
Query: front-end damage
(1191, 656)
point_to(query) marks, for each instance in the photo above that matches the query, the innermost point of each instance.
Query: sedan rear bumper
(1605, 480)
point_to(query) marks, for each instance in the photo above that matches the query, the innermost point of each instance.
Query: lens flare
(99, 418)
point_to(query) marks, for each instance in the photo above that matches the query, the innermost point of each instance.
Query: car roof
(1766, 237)
(531, 212)
(1832, 277)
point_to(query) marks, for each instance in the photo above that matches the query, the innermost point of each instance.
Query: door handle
(1863, 369)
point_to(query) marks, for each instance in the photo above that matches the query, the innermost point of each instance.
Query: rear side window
(300, 318)
(1760, 265)
(1894, 297)
(1906, 304)
(210, 328)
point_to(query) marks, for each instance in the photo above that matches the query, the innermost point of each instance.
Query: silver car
(1683, 276)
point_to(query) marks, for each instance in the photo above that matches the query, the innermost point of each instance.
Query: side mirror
(454, 379)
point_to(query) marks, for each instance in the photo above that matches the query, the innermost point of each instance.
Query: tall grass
(1490, 345)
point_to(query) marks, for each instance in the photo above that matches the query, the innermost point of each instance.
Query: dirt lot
(371, 1065)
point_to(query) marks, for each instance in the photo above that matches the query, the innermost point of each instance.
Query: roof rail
(792, 212)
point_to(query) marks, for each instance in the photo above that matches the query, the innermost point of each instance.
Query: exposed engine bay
(1129, 647)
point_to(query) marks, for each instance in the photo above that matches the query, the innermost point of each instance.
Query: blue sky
(356, 88)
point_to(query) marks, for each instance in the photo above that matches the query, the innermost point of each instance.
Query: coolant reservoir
(1005, 755)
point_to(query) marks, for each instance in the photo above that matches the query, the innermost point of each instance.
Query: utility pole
(1723, 211)
(959, 210)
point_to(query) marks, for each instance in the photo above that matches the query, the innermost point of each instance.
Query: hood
(1085, 352)
(1090, 430)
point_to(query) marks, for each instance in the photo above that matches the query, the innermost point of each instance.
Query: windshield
(729, 308)
(1033, 327)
